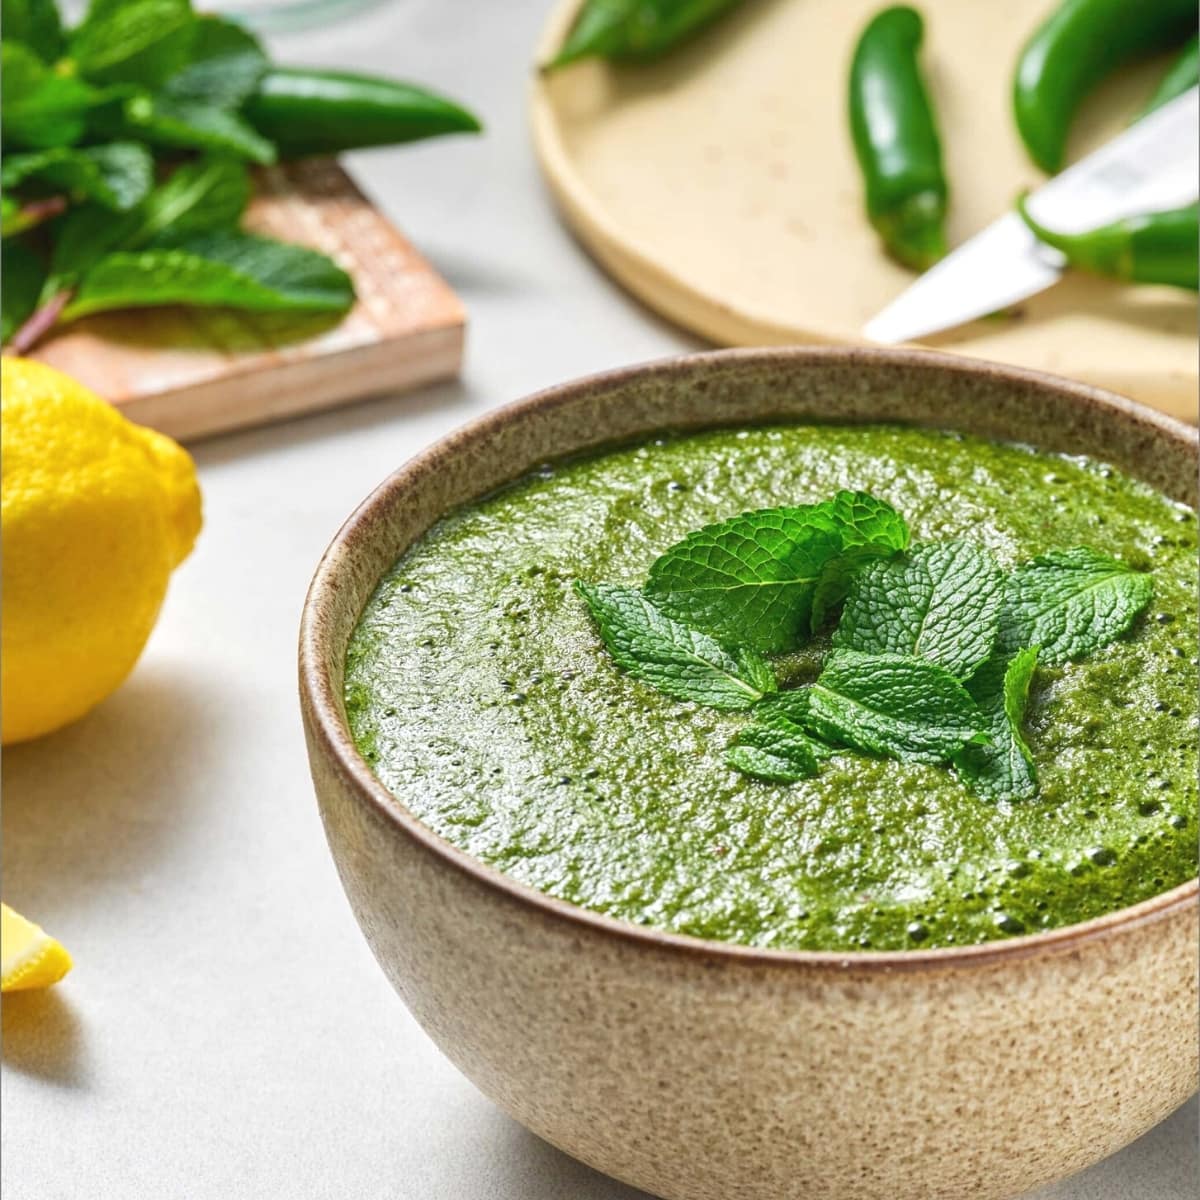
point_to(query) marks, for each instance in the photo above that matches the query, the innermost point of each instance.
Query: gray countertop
(225, 1033)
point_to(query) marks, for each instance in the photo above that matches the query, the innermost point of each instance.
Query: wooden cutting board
(719, 185)
(191, 372)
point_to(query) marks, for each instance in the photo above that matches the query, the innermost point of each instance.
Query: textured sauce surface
(479, 691)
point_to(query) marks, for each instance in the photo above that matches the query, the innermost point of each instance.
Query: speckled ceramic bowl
(703, 1071)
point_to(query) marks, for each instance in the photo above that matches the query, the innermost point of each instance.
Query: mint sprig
(753, 578)
(940, 602)
(682, 662)
(933, 657)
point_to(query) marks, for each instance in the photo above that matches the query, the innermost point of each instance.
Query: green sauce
(480, 692)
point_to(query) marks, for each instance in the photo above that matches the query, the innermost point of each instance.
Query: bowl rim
(323, 709)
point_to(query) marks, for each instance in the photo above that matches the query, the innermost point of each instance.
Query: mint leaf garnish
(865, 520)
(932, 658)
(940, 602)
(893, 704)
(869, 528)
(777, 746)
(1003, 770)
(1071, 603)
(666, 654)
(752, 578)
(788, 711)
(778, 751)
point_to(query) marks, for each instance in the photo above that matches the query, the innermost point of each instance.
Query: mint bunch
(933, 654)
(88, 223)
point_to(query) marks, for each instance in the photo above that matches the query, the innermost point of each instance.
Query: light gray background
(225, 1032)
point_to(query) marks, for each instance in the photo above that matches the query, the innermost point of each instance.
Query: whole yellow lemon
(97, 512)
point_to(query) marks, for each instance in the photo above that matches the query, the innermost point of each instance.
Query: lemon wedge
(29, 956)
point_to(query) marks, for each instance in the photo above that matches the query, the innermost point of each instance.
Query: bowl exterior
(703, 1072)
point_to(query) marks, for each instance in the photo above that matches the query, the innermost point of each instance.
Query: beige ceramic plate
(719, 186)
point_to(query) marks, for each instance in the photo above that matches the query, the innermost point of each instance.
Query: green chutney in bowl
(484, 699)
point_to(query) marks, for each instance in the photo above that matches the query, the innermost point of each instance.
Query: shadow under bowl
(699, 1070)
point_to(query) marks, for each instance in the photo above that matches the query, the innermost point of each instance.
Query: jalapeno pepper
(1160, 247)
(325, 112)
(896, 140)
(635, 30)
(1183, 74)
(1080, 43)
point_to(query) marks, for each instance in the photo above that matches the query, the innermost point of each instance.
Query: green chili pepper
(635, 30)
(1080, 43)
(325, 112)
(896, 139)
(1160, 247)
(1183, 74)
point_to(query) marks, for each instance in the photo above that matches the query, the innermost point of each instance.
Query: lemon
(29, 956)
(96, 513)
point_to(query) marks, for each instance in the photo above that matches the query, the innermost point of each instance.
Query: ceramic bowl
(703, 1071)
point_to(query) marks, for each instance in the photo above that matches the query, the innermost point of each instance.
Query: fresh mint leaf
(34, 23)
(21, 276)
(38, 108)
(668, 655)
(1004, 769)
(752, 579)
(185, 124)
(117, 175)
(133, 41)
(777, 751)
(788, 710)
(870, 528)
(1071, 603)
(197, 197)
(217, 269)
(84, 236)
(940, 602)
(865, 520)
(778, 745)
(749, 579)
(224, 66)
(893, 704)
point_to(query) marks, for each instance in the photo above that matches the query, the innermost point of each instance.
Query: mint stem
(39, 323)
(41, 210)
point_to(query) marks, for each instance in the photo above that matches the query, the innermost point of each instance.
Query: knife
(1152, 165)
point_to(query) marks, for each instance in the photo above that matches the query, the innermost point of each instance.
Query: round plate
(719, 186)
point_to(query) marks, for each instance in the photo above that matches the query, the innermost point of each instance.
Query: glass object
(264, 16)
(276, 16)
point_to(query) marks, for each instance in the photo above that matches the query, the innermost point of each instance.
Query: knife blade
(1152, 165)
